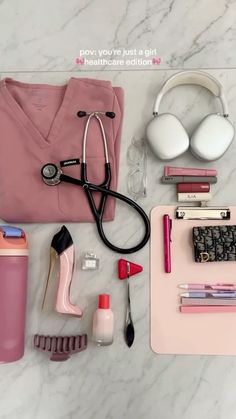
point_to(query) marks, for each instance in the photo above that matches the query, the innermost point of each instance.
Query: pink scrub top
(38, 125)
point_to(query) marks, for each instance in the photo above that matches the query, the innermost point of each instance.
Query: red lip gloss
(193, 187)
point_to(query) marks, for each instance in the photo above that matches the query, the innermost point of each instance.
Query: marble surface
(116, 382)
(49, 36)
(40, 42)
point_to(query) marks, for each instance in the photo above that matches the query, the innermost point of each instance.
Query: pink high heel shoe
(62, 246)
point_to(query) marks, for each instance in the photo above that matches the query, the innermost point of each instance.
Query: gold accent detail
(53, 258)
(204, 257)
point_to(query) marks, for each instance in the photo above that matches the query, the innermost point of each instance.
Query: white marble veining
(50, 35)
(117, 382)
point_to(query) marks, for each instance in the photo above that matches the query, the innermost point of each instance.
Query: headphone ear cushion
(212, 137)
(167, 136)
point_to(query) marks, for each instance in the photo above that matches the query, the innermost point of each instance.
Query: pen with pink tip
(219, 286)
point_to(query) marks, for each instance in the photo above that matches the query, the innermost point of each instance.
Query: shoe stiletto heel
(53, 258)
(62, 246)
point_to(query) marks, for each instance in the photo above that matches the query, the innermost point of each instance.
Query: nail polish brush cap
(104, 301)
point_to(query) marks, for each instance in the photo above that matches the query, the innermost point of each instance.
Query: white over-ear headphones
(167, 136)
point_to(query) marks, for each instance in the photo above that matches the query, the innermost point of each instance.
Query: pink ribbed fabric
(39, 124)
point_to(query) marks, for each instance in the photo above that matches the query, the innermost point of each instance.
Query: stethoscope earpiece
(81, 114)
(109, 114)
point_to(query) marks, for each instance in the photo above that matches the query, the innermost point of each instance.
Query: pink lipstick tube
(188, 171)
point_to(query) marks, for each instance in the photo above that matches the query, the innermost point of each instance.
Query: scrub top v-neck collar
(21, 116)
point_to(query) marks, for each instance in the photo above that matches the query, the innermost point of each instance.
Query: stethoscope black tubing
(89, 188)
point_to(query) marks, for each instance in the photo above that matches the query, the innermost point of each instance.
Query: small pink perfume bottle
(103, 322)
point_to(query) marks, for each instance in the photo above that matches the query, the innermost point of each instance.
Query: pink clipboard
(173, 332)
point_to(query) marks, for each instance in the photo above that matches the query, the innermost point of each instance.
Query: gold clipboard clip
(202, 213)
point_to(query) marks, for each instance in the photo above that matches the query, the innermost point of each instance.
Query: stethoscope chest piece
(51, 174)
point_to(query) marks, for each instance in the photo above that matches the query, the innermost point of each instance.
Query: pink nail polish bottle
(103, 322)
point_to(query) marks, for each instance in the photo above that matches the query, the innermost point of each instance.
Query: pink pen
(208, 286)
(207, 309)
(188, 171)
(167, 224)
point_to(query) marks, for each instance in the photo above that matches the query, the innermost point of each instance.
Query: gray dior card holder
(214, 243)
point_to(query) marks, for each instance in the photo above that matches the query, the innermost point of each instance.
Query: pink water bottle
(13, 291)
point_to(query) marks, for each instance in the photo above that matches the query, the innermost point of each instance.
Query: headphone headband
(199, 78)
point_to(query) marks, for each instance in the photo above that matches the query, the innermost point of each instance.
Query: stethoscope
(52, 175)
